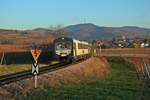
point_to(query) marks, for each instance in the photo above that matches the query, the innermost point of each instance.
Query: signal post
(35, 68)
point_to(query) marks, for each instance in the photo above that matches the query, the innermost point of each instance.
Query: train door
(74, 49)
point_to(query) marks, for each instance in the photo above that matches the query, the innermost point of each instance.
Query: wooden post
(2, 59)
(35, 81)
(146, 67)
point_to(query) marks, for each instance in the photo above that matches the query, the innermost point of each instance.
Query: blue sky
(29, 14)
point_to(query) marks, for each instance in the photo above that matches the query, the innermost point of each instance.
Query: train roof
(79, 41)
(71, 39)
(62, 38)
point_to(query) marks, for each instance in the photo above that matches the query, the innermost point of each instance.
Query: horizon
(70, 25)
(31, 14)
(51, 26)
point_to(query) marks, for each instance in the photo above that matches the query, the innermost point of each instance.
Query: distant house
(144, 45)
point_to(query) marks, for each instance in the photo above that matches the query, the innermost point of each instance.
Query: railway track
(10, 78)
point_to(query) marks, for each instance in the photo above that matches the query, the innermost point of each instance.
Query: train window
(82, 46)
(79, 46)
(74, 45)
(63, 45)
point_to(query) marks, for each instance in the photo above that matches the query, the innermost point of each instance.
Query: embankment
(93, 68)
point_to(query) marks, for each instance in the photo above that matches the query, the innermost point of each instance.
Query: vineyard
(127, 50)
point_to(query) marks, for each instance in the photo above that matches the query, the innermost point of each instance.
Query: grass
(122, 84)
(13, 68)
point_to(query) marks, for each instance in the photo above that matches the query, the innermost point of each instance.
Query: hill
(17, 40)
(85, 31)
(42, 31)
(90, 31)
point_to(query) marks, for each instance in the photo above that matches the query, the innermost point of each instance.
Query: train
(68, 49)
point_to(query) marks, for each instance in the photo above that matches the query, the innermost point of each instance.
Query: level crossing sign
(35, 69)
(35, 53)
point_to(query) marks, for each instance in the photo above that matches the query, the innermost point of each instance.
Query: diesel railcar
(68, 49)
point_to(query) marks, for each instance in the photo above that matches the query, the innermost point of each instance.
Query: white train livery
(70, 49)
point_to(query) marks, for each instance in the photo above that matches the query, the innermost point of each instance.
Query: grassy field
(122, 84)
(14, 68)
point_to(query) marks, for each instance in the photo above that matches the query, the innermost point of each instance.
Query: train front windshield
(64, 45)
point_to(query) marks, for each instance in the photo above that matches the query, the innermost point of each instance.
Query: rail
(6, 79)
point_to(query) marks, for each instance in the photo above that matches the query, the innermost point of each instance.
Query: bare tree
(58, 31)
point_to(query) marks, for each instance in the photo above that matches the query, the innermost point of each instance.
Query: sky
(29, 14)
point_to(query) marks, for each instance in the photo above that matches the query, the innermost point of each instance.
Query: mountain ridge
(90, 31)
